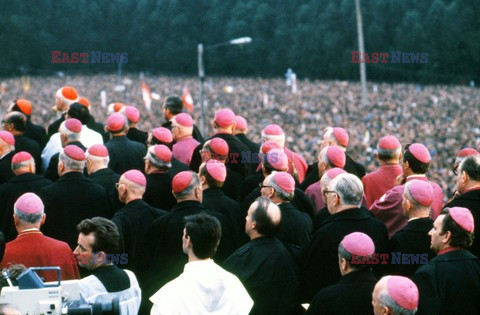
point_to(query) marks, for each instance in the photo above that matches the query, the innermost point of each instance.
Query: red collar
(472, 189)
(447, 250)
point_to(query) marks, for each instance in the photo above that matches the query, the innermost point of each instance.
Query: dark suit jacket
(6, 167)
(254, 149)
(351, 295)
(137, 135)
(320, 265)
(53, 128)
(107, 179)
(449, 284)
(9, 193)
(37, 133)
(69, 200)
(125, 154)
(158, 193)
(295, 227)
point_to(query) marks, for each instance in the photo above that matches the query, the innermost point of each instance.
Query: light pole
(201, 70)
(363, 70)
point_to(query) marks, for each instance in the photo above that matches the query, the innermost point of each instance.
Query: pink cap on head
(162, 134)
(241, 123)
(359, 244)
(420, 152)
(74, 125)
(7, 137)
(278, 159)
(273, 130)
(463, 217)
(29, 203)
(135, 176)
(181, 181)
(74, 152)
(403, 291)
(285, 181)
(334, 172)
(268, 146)
(98, 150)
(116, 122)
(467, 152)
(163, 153)
(389, 143)
(21, 157)
(421, 191)
(216, 169)
(184, 120)
(132, 113)
(219, 146)
(225, 117)
(336, 156)
(341, 135)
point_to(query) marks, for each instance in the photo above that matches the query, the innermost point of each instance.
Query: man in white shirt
(203, 287)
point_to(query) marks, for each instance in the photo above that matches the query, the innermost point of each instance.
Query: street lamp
(201, 70)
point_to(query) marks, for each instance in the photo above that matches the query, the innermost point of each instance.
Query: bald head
(395, 295)
(129, 190)
(263, 218)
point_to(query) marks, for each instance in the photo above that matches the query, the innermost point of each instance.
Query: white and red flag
(147, 96)
(187, 99)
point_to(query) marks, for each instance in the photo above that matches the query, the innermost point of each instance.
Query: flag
(147, 96)
(187, 99)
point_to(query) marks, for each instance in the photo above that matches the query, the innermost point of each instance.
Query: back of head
(284, 185)
(174, 104)
(214, 172)
(107, 237)
(267, 216)
(356, 246)
(184, 185)
(205, 232)
(349, 189)
(460, 223)
(389, 148)
(22, 162)
(79, 112)
(471, 166)
(17, 120)
(418, 157)
(73, 158)
(399, 295)
(29, 209)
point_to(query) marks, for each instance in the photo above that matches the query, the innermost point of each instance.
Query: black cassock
(6, 167)
(449, 284)
(107, 178)
(295, 227)
(125, 154)
(351, 295)
(268, 272)
(135, 134)
(158, 193)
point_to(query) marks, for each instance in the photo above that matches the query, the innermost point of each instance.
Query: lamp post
(201, 70)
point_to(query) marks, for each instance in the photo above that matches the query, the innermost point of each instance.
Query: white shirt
(88, 137)
(202, 288)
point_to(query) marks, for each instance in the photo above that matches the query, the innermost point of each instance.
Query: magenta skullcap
(359, 244)
(162, 134)
(216, 169)
(218, 146)
(268, 146)
(285, 181)
(163, 153)
(403, 291)
(181, 181)
(334, 172)
(341, 136)
(241, 123)
(184, 120)
(135, 176)
(116, 122)
(7, 137)
(73, 125)
(463, 217)
(29, 203)
(389, 143)
(225, 117)
(98, 150)
(21, 157)
(467, 152)
(272, 130)
(421, 191)
(132, 113)
(336, 156)
(420, 152)
(74, 152)
(277, 159)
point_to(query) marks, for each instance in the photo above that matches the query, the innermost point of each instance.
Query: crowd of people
(286, 198)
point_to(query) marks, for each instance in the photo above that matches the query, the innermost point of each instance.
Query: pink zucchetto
(132, 113)
(162, 134)
(341, 136)
(420, 152)
(421, 191)
(20, 157)
(268, 146)
(463, 217)
(29, 203)
(389, 143)
(336, 156)
(7, 137)
(163, 153)
(241, 123)
(181, 181)
(74, 125)
(216, 169)
(277, 159)
(74, 152)
(403, 291)
(334, 172)
(466, 152)
(184, 120)
(98, 150)
(225, 117)
(285, 181)
(116, 122)
(218, 146)
(359, 244)
(135, 176)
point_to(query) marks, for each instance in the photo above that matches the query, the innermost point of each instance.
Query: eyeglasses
(261, 185)
(325, 192)
(455, 170)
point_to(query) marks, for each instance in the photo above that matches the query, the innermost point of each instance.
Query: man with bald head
(182, 128)
(135, 218)
(264, 265)
(395, 295)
